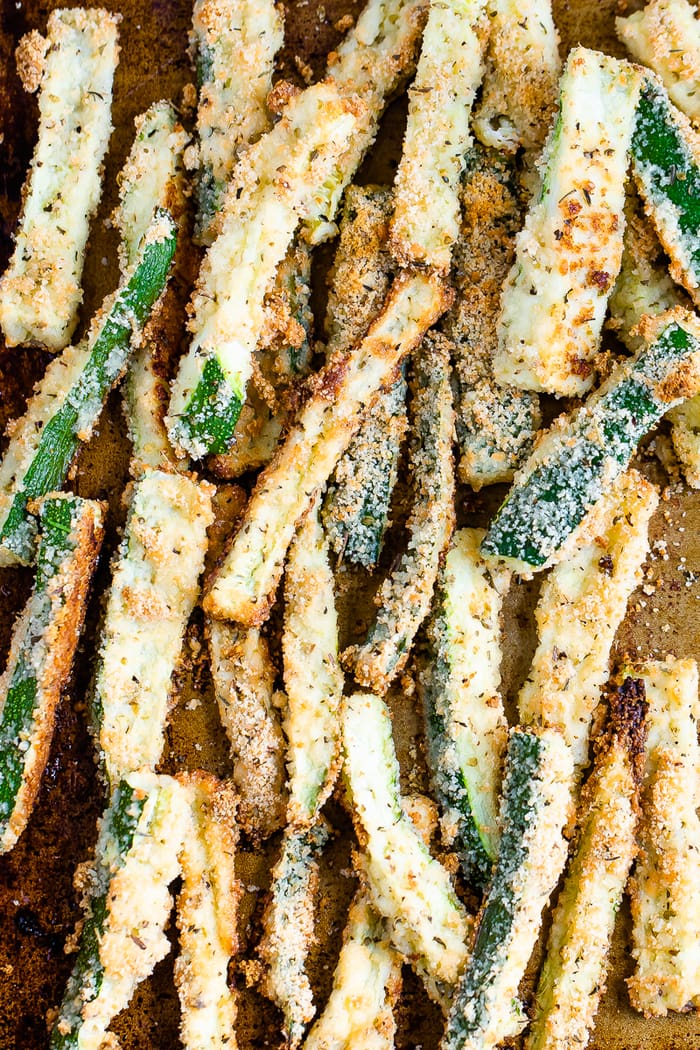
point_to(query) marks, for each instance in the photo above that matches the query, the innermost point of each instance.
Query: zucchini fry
(465, 724)
(73, 67)
(408, 887)
(68, 400)
(581, 455)
(289, 928)
(244, 586)
(127, 903)
(570, 249)
(313, 679)
(244, 679)
(233, 43)
(665, 921)
(206, 916)
(496, 425)
(155, 583)
(534, 811)
(572, 980)
(41, 652)
(405, 596)
(520, 80)
(581, 605)
(366, 984)
(153, 177)
(356, 508)
(259, 216)
(665, 35)
(426, 190)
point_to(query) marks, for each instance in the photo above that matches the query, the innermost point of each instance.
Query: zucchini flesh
(366, 983)
(496, 425)
(128, 903)
(532, 854)
(572, 979)
(38, 457)
(581, 605)
(41, 652)
(206, 916)
(234, 45)
(519, 94)
(665, 166)
(407, 886)
(665, 36)
(405, 596)
(569, 252)
(40, 292)
(312, 676)
(582, 454)
(242, 589)
(289, 928)
(465, 724)
(154, 588)
(260, 214)
(426, 189)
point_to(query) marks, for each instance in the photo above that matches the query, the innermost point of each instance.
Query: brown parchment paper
(38, 906)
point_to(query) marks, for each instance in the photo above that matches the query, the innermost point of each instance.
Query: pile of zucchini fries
(537, 204)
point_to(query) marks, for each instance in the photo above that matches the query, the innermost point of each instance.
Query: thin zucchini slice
(244, 684)
(155, 583)
(534, 811)
(665, 917)
(289, 928)
(404, 598)
(233, 44)
(244, 586)
(426, 189)
(41, 652)
(465, 724)
(570, 250)
(313, 679)
(366, 985)
(572, 979)
(582, 454)
(582, 603)
(69, 398)
(259, 216)
(127, 904)
(496, 425)
(520, 80)
(206, 916)
(408, 887)
(74, 68)
(665, 35)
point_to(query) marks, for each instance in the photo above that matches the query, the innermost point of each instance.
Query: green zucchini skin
(579, 457)
(210, 416)
(110, 348)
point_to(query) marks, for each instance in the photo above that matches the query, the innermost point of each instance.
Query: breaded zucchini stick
(520, 80)
(465, 724)
(244, 586)
(155, 583)
(404, 598)
(233, 43)
(426, 190)
(665, 35)
(43, 644)
(206, 915)
(665, 918)
(582, 603)
(73, 67)
(572, 979)
(570, 249)
(408, 887)
(532, 853)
